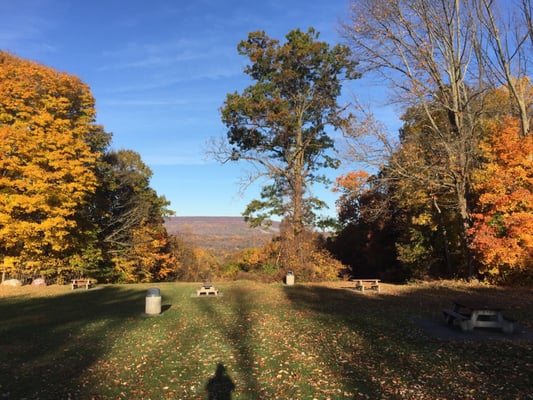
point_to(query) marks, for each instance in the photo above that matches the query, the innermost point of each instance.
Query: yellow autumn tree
(47, 158)
(147, 259)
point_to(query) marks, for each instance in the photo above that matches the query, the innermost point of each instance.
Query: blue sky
(160, 71)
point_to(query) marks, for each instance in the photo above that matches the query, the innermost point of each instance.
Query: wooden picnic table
(362, 284)
(469, 315)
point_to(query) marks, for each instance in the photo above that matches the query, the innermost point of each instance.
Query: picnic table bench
(83, 282)
(207, 289)
(471, 315)
(363, 284)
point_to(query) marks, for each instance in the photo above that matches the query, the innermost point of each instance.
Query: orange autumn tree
(48, 148)
(502, 232)
(350, 186)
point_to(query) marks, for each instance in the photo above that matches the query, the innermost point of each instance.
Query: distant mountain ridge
(220, 235)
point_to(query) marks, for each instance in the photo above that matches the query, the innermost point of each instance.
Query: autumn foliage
(265, 263)
(68, 206)
(71, 207)
(502, 233)
(47, 162)
(409, 207)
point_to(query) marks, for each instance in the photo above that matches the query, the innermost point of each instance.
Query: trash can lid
(153, 292)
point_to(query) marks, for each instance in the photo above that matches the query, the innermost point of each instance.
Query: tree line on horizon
(449, 196)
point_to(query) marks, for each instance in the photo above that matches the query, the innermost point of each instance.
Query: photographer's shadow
(220, 386)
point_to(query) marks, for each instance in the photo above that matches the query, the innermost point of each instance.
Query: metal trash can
(153, 301)
(289, 278)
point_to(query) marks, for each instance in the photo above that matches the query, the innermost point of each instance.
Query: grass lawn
(265, 341)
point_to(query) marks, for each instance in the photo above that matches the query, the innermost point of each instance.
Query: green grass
(275, 342)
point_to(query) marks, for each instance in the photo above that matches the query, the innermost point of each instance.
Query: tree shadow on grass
(396, 359)
(332, 308)
(47, 343)
(238, 332)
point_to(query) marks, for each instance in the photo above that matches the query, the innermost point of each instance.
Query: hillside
(219, 235)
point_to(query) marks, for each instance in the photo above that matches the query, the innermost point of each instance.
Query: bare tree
(425, 50)
(440, 57)
(505, 44)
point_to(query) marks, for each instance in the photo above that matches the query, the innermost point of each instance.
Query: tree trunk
(298, 190)
(297, 223)
(464, 214)
(447, 256)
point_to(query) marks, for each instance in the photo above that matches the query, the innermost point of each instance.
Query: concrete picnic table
(207, 289)
(469, 315)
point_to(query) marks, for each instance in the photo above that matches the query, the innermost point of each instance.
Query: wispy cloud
(143, 55)
(23, 26)
(180, 158)
(173, 153)
(156, 66)
(144, 102)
